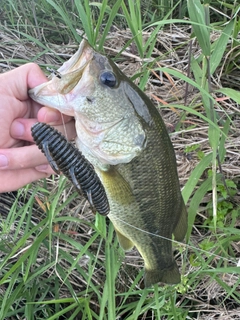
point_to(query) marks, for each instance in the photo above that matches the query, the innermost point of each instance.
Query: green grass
(59, 264)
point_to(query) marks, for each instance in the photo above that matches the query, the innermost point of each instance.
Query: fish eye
(108, 78)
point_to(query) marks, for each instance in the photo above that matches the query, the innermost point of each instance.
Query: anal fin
(125, 243)
(182, 225)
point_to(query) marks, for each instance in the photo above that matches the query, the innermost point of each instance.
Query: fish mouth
(66, 78)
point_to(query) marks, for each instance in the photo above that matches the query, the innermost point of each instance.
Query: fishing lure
(64, 157)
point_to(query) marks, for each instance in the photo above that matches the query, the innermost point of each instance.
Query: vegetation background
(58, 261)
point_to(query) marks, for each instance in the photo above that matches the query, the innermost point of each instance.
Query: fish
(65, 158)
(121, 133)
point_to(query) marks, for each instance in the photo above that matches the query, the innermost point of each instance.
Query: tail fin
(170, 276)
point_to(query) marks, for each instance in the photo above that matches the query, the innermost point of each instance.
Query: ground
(189, 134)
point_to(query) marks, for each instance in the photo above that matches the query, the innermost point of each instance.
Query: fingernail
(43, 168)
(3, 161)
(17, 129)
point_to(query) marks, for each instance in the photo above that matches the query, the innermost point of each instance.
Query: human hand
(21, 162)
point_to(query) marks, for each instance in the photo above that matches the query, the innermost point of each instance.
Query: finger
(13, 180)
(68, 129)
(52, 116)
(21, 129)
(23, 78)
(21, 158)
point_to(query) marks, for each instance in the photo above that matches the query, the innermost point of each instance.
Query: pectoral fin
(116, 186)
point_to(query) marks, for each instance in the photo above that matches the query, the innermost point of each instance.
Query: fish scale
(148, 212)
(122, 134)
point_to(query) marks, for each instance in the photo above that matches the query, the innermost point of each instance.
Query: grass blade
(219, 47)
(231, 93)
(84, 13)
(65, 17)
(197, 14)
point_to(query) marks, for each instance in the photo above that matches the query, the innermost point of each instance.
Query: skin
(122, 134)
(21, 162)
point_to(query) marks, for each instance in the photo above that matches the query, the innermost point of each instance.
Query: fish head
(91, 88)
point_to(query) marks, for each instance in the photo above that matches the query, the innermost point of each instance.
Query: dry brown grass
(172, 47)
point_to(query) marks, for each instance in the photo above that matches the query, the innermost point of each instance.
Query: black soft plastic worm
(64, 157)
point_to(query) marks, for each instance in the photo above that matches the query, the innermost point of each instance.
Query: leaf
(195, 176)
(85, 17)
(197, 14)
(112, 15)
(195, 202)
(134, 22)
(219, 47)
(65, 17)
(231, 93)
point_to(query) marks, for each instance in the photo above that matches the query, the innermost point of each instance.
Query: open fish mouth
(66, 78)
(87, 87)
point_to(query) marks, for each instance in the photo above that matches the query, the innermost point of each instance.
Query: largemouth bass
(121, 133)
